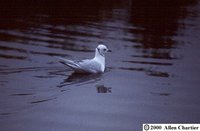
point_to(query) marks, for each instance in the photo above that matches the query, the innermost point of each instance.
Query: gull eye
(104, 49)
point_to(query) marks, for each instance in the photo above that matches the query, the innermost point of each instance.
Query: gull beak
(109, 51)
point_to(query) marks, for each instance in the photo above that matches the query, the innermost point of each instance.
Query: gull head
(101, 50)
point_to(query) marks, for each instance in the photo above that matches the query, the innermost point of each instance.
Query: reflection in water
(157, 73)
(148, 71)
(160, 94)
(56, 27)
(22, 94)
(5, 114)
(103, 89)
(161, 23)
(165, 55)
(147, 37)
(81, 79)
(44, 100)
(7, 71)
(150, 63)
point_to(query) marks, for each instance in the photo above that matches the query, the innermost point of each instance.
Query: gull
(95, 65)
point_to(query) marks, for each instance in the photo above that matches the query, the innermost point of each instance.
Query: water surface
(152, 75)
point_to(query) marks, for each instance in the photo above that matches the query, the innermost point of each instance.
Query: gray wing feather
(87, 65)
(69, 63)
(90, 66)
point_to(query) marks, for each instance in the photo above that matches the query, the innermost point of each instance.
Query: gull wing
(69, 63)
(83, 66)
(90, 65)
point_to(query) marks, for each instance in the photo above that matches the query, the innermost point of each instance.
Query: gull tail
(68, 63)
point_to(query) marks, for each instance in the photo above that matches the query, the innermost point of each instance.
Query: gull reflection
(103, 89)
(81, 79)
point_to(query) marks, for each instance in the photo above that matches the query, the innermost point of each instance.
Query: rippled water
(152, 75)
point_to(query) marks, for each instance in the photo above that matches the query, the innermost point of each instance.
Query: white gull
(95, 65)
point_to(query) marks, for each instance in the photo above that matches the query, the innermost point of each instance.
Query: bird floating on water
(95, 65)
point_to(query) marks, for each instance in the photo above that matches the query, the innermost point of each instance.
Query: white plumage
(95, 65)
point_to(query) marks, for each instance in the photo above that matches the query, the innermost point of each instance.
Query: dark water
(152, 75)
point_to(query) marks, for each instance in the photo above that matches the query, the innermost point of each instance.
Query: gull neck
(98, 57)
